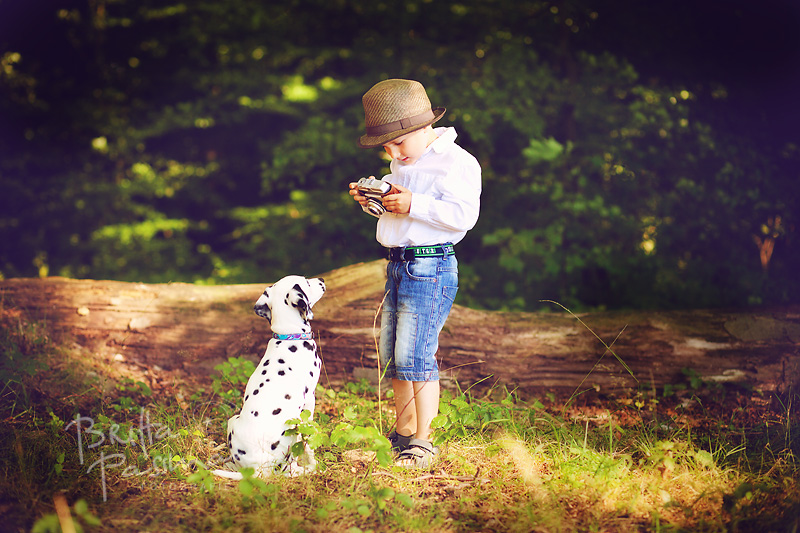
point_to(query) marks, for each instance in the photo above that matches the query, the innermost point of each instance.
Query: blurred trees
(212, 142)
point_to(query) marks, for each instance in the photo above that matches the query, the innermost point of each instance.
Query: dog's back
(283, 384)
(280, 388)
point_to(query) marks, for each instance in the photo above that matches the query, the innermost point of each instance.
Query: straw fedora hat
(393, 108)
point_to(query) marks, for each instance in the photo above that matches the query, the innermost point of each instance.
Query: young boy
(435, 200)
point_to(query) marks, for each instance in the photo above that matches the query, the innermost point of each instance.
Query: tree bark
(176, 333)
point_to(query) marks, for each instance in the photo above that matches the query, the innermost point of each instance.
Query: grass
(88, 445)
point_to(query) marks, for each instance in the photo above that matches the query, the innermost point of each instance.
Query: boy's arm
(398, 201)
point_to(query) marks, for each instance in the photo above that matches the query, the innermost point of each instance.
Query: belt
(412, 252)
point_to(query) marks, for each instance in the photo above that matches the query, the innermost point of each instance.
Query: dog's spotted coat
(282, 385)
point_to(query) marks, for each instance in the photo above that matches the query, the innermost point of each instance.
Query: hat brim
(368, 141)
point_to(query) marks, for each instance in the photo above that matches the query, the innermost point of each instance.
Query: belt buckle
(397, 254)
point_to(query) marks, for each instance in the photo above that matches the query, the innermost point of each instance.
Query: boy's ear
(263, 307)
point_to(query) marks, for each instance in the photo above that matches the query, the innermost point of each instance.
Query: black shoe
(399, 442)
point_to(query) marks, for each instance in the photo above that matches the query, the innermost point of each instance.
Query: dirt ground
(729, 373)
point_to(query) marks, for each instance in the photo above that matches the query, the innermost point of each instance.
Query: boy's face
(408, 148)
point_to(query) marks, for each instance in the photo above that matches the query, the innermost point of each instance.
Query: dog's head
(287, 304)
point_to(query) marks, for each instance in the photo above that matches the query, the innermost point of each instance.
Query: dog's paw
(295, 470)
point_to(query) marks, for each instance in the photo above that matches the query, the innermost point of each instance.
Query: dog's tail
(228, 474)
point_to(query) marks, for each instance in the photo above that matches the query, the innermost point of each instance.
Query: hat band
(401, 124)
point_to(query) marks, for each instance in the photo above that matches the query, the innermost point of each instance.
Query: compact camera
(374, 190)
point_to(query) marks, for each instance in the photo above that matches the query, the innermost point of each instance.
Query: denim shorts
(419, 296)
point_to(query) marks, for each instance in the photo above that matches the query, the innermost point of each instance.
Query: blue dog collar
(294, 336)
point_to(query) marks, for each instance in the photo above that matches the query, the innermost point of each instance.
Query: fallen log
(177, 332)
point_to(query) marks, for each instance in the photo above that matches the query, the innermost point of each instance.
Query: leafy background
(634, 154)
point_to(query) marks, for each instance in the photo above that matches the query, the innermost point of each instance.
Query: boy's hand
(398, 201)
(360, 198)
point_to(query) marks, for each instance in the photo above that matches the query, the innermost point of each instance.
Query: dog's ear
(263, 307)
(300, 301)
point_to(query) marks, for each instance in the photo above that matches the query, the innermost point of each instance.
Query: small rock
(359, 456)
(139, 323)
(83, 311)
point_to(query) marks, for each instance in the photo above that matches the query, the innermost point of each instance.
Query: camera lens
(375, 207)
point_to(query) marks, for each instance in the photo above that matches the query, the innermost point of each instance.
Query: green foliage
(50, 523)
(22, 350)
(369, 438)
(357, 429)
(464, 417)
(378, 501)
(134, 393)
(309, 431)
(255, 489)
(203, 479)
(233, 376)
(200, 142)
(501, 458)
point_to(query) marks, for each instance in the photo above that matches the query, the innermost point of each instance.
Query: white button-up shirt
(446, 187)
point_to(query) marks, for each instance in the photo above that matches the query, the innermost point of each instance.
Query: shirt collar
(445, 139)
(447, 136)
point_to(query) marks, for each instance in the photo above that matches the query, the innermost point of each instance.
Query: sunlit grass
(505, 464)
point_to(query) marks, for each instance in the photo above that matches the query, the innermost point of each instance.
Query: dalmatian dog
(282, 385)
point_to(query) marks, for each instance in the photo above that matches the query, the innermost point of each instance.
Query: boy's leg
(421, 452)
(416, 404)
(426, 288)
(405, 407)
(426, 400)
